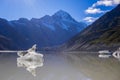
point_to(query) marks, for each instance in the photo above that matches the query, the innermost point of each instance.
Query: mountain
(47, 31)
(4, 42)
(104, 33)
(10, 36)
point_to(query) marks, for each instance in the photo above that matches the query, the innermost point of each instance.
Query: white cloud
(91, 10)
(103, 2)
(116, 1)
(106, 3)
(90, 19)
(94, 10)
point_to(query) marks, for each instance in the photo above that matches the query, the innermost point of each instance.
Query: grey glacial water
(63, 66)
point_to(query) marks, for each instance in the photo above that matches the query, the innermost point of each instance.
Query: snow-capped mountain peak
(63, 15)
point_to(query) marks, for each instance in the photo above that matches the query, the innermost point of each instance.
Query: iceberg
(30, 60)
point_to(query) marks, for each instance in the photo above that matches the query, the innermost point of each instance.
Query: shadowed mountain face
(45, 32)
(4, 42)
(104, 33)
(10, 38)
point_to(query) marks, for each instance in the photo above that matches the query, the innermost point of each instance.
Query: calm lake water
(62, 66)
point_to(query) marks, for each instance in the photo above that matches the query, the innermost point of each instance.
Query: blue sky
(80, 10)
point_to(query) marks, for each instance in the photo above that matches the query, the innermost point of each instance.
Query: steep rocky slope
(104, 33)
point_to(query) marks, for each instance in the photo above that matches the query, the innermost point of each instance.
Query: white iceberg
(116, 54)
(30, 60)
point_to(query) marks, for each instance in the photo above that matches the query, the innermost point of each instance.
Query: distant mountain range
(104, 33)
(45, 32)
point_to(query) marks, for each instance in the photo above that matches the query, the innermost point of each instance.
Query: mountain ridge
(46, 31)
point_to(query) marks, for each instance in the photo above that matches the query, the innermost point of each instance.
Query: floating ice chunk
(30, 60)
(116, 54)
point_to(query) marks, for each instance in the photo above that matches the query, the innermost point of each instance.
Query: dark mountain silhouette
(45, 32)
(10, 35)
(4, 42)
(104, 33)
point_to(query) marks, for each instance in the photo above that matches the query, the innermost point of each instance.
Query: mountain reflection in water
(63, 66)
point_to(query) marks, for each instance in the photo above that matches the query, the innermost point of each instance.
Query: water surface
(62, 66)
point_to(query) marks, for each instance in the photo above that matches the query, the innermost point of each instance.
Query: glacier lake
(62, 66)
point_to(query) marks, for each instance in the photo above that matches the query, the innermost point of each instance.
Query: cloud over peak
(90, 19)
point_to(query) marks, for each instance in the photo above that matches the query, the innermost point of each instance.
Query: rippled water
(62, 66)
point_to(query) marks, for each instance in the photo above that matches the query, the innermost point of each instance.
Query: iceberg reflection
(30, 60)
